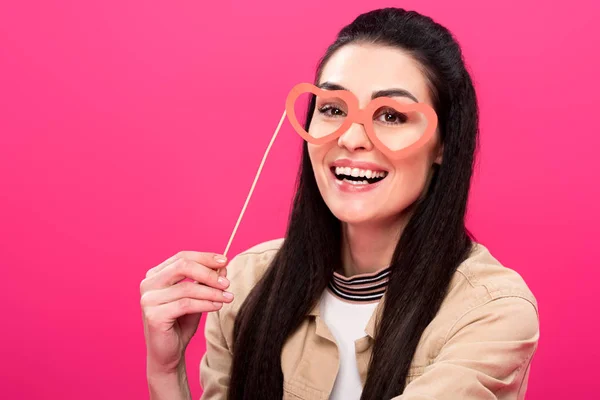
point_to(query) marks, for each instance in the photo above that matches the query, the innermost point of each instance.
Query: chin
(354, 215)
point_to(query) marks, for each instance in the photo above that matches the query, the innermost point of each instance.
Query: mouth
(358, 176)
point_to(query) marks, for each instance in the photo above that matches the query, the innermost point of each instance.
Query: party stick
(254, 183)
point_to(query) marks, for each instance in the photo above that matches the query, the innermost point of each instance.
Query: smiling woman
(378, 290)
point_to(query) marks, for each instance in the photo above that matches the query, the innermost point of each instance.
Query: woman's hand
(174, 295)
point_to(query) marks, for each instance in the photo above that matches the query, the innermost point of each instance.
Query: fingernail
(228, 295)
(222, 281)
(216, 304)
(220, 259)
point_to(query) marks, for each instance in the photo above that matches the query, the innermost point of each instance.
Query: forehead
(365, 68)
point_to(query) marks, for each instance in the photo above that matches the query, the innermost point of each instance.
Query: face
(364, 69)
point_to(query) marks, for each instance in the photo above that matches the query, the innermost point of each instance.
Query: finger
(163, 264)
(211, 260)
(221, 272)
(169, 312)
(185, 289)
(184, 269)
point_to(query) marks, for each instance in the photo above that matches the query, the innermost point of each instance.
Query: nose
(355, 138)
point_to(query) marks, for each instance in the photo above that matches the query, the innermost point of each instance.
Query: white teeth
(356, 183)
(357, 172)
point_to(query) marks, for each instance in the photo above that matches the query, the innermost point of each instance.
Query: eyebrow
(374, 95)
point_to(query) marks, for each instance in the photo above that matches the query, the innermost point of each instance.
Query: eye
(392, 117)
(331, 110)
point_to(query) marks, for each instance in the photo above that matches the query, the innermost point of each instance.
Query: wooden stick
(254, 183)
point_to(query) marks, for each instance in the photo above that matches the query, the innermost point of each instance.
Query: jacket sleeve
(486, 355)
(216, 362)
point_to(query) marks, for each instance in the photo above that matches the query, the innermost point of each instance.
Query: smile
(358, 176)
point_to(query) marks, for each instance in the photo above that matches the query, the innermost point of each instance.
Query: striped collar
(361, 288)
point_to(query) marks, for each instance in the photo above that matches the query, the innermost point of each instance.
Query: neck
(367, 248)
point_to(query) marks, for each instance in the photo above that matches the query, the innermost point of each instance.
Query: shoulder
(247, 267)
(484, 335)
(486, 300)
(482, 276)
(482, 287)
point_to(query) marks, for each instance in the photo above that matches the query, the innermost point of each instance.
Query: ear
(439, 156)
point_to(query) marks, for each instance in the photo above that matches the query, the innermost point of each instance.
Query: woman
(378, 290)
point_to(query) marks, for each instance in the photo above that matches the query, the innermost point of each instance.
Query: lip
(345, 162)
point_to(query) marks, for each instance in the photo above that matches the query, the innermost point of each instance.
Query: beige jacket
(479, 346)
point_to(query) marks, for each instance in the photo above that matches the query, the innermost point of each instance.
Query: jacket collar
(369, 329)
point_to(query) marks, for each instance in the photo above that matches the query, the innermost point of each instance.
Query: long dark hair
(433, 243)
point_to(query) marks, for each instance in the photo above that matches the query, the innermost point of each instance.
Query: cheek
(317, 154)
(411, 180)
(318, 157)
(312, 151)
(413, 174)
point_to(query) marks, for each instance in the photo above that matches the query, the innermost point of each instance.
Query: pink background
(122, 142)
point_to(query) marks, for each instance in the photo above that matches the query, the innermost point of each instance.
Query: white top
(347, 322)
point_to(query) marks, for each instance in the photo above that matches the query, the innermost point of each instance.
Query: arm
(486, 355)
